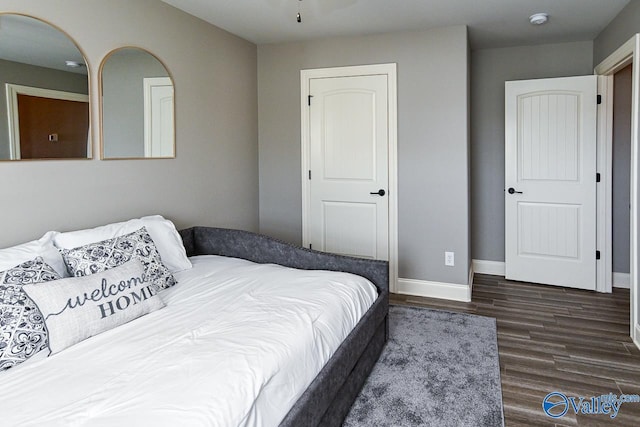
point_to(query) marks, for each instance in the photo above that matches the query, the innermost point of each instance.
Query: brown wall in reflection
(52, 128)
(40, 77)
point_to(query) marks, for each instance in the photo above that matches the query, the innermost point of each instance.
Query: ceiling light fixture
(539, 18)
(298, 16)
(73, 64)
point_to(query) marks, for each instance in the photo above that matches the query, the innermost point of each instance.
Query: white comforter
(236, 345)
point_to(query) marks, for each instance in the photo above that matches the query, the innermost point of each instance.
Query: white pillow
(43, 247)
(162, 231)
(77, 308)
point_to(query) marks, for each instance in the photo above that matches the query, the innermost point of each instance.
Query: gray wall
(123, 101)
(621, 169)
(30, 75)
(490, 68)
(621, 29)
(432, 140)
(213, 180)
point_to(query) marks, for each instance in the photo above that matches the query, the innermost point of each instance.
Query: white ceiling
(30, 41)
(492, 23)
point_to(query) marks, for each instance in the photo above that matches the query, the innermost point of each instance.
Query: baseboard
(424, 288)
(494, 268)
(622, 280)
(497, 268)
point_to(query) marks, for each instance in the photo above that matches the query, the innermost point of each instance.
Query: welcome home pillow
(22, 329)
(77, 308)
(100, 256)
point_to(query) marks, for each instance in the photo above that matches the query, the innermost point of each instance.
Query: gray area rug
(438, 369)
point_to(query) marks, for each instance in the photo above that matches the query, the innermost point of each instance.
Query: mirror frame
(101, 105)
(90, 143)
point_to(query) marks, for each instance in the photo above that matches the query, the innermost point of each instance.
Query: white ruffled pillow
(162, 231)
(43, 247)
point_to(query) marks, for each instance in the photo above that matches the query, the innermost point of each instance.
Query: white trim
(636, 336)
(390, 71)
(424, 288)
(493, 268)
(13, 91)
(622, 280)
(619, 59)
(604, 197)
(497, 268)
(623, 56)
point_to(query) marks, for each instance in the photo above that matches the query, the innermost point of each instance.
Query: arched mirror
(137, 106)
(44, 92)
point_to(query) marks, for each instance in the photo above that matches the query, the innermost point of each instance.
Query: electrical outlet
(449, 259)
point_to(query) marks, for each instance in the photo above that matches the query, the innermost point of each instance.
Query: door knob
(380, 192)
(512, 190)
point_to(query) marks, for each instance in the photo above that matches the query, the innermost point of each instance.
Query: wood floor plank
(554, 339)
(599, 370)
(607, 357)
(566, 338)
(526, 344)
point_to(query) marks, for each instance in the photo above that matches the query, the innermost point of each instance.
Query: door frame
(390, 70)
(623, 56)
(12, 92)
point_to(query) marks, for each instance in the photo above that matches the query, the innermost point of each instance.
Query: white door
(550, 182)
(158, 117)
(348, 149)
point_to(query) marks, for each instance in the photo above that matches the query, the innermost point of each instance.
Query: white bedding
(236, 345)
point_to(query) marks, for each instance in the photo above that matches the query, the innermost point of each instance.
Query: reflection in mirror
(137, 106)
(44, 92)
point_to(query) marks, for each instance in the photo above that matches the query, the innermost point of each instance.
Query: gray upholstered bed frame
(329, 397)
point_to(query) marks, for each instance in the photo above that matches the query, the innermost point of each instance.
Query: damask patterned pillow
(100, 256)
(22, 329)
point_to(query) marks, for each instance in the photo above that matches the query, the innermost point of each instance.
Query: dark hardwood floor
(555, 339)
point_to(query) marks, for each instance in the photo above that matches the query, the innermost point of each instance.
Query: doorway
(349, 151)
(159, 132)
(621, 176)
(617, 61)
(621, 58)
(47, 124)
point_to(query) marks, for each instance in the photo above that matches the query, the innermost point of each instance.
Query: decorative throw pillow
(100, 256)
(162, 231)
(22, 328)
(77, 308)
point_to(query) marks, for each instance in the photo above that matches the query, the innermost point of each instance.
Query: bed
(159, 369)
(329, 397)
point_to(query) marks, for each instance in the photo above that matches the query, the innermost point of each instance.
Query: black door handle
(513, 191)
(380, 192)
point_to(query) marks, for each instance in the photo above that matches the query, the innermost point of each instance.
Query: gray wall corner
(433, 176)
(624, 26)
